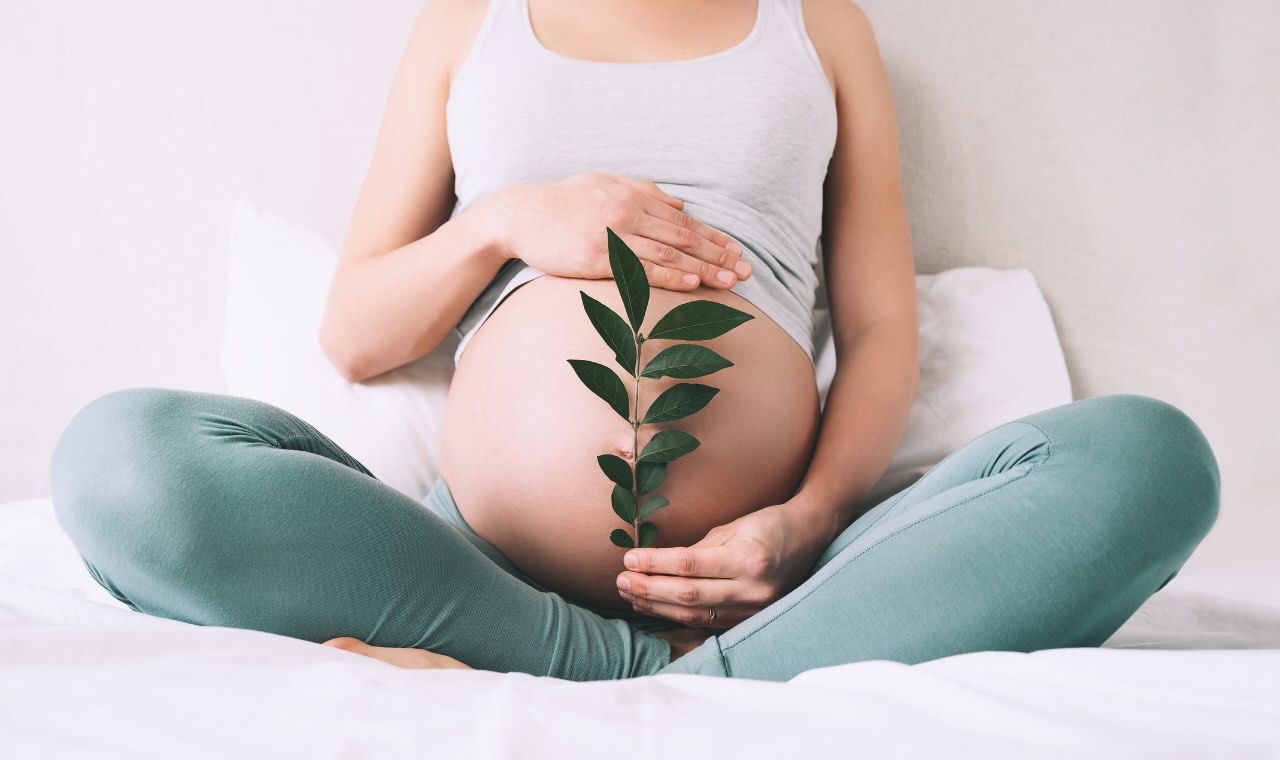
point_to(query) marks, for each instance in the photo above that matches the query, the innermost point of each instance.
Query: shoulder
(844, 39)
(444, 30)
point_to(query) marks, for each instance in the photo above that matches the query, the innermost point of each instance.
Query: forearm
(387, 310)
(862, 424)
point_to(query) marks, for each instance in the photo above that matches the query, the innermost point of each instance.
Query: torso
(521, 433)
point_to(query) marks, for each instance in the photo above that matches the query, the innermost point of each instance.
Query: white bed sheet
(1190, 675)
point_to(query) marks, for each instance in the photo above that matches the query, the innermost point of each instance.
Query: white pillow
(278, 281)
(989, 353)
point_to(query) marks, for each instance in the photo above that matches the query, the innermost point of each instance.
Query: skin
(741, 567)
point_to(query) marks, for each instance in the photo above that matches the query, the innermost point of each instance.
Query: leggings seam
(903, 493)
(1048, 455)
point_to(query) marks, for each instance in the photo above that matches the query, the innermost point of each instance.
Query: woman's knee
(100, 437)
(122, 463)
(1165, 451)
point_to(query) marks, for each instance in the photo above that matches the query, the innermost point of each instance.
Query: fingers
(716, 561)
(727, 615)
(710, 255)
(689, 600)
(714, 265)
(683, 591)
(694, 592)
(665, 266)
(718, 241)
(679, 252)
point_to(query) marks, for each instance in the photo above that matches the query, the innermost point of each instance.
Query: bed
(1192, 674)
(1091, 188)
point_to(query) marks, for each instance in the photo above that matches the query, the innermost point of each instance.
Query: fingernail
(691, 279)
(630, 561)
(734, 246)
(624, 583)
(725, 277)
(742, 268)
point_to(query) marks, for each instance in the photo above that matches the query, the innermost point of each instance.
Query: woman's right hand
(558, 228)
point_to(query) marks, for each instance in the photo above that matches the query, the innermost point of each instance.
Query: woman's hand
(558, 228)
(739, 568)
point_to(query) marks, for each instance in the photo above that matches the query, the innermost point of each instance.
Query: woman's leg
(1045, 532)
(223, 510)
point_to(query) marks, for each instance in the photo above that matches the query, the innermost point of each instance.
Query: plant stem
(635, 444)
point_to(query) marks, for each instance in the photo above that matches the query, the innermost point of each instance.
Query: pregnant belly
(521, 433)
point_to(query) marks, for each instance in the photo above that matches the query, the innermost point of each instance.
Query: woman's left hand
(739, 568)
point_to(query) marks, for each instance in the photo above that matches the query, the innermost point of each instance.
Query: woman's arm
(870, 281)
(406, 275)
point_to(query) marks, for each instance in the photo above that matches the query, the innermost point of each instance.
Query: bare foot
(683, 640)
(407, 657)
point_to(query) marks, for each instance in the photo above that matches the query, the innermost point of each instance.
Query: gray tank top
(743, 136)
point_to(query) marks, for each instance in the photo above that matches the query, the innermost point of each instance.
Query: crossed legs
(1044, 532)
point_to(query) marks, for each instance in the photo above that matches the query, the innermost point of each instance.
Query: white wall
(1125, 152)
(127, 129)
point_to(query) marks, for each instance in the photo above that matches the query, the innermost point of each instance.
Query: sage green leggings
(1044, 532)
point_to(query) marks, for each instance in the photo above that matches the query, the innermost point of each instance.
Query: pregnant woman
(722, 140)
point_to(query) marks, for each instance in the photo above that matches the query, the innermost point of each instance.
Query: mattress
(1191, 674)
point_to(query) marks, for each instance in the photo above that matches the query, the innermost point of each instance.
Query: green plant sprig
(690, 321)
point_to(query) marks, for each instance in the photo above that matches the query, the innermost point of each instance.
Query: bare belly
(521, 433)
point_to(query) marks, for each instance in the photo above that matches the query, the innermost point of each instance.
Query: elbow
(351, 373)
(339, 353)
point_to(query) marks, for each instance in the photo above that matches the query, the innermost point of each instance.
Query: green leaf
(685, 360)
(680, 400)
(616, 468)
(698, 320)
(629, 275)
(648, 533)
(614, 330)
(621, 538)
(624, 504)
(651, 505)
(668, 446)
(603, 382)
(649, 475)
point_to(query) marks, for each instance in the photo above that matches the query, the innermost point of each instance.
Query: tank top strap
(506, 20)
(499, 37)
(790, 23)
